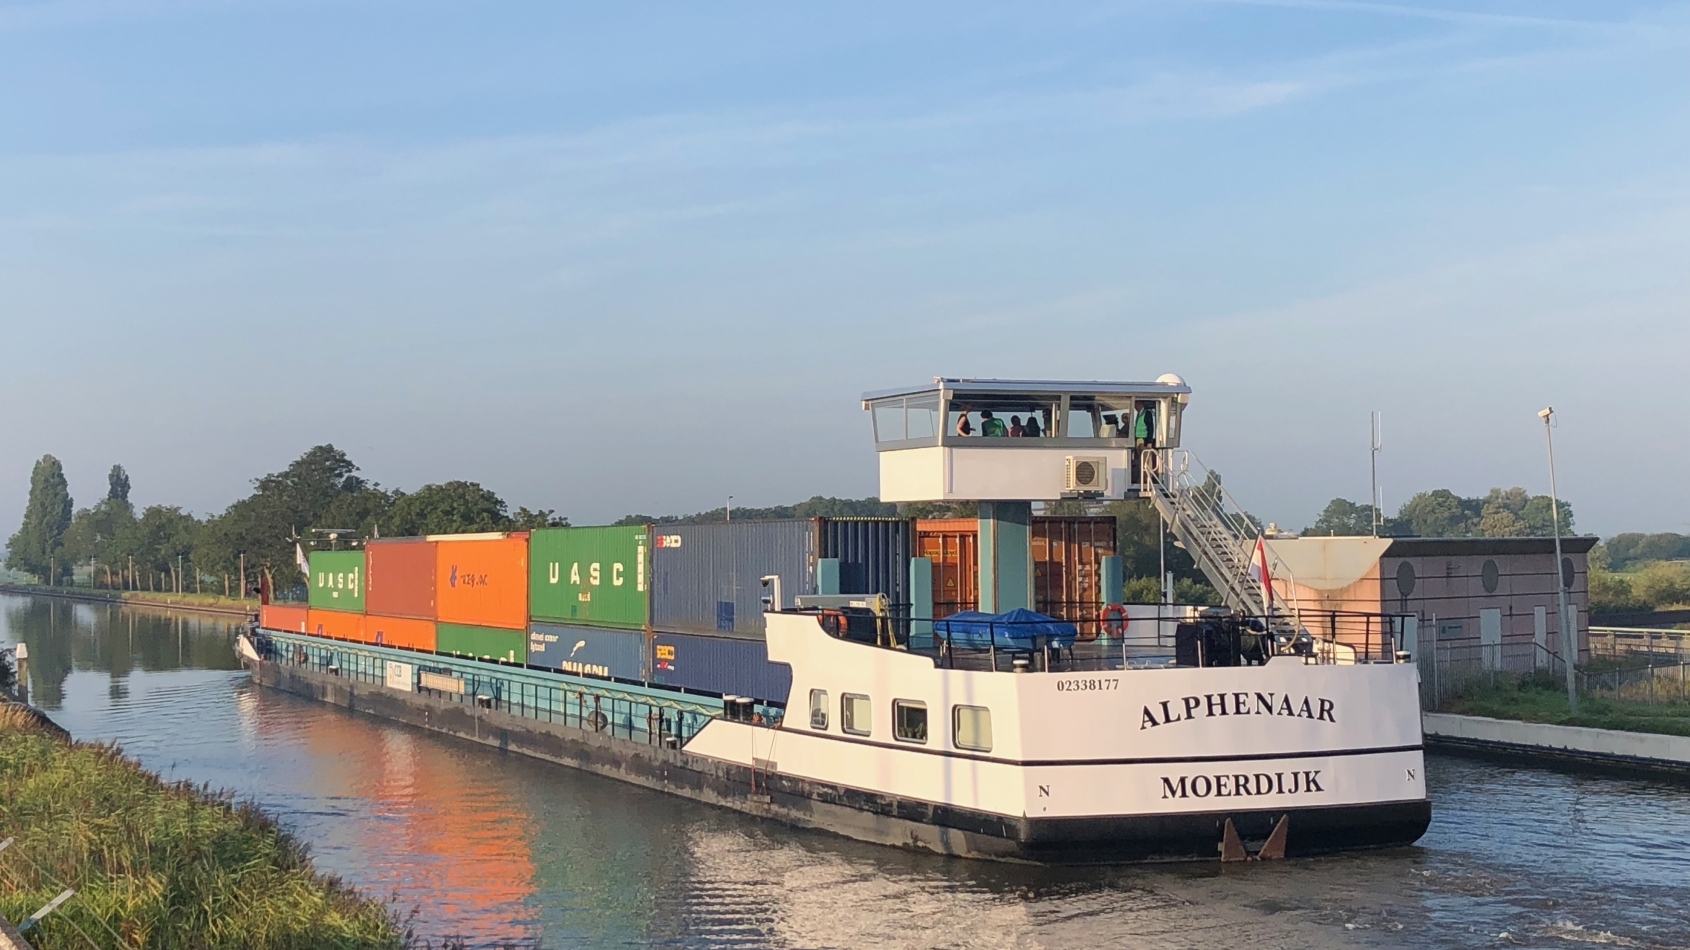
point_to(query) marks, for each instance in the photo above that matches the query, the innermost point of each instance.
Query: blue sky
(638, 257)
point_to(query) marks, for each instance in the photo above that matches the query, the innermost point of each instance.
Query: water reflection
(501, 848)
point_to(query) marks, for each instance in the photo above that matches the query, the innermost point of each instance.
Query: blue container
(589, 651)
(873, 554)
(707, 578)
(721, 665)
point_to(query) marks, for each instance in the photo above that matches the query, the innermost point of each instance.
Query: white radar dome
(1171, 379)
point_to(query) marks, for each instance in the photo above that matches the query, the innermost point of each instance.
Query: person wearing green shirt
(991, 425)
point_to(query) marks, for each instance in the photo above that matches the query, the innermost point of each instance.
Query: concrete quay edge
(1574, 748)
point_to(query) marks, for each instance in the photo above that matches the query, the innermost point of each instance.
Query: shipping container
(485, 643)
(708, 577)
(399, 578)
(338, 624)
(953, 545)
(1068, 555)
(400, 632)
(723, 665)
(873, 553)
(597, 576)
(294, 618)
(337, 580)
(482, 580)
(589, 651)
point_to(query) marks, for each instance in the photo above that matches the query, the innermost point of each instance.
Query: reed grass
(157, 864)
(1542, 698)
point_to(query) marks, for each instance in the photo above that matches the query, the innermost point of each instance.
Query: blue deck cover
(1013, 630)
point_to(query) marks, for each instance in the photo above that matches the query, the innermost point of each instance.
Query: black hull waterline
(862, 814)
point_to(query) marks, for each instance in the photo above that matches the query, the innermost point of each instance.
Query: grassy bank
(1543, 698)
(157, 864)
(142, 598)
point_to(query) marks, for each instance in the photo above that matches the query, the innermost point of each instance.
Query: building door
(1540, 637)
(1490, 638)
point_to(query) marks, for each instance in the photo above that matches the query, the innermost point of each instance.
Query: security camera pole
(1569, 635)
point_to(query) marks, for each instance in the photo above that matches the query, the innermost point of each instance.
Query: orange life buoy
(1113, 619)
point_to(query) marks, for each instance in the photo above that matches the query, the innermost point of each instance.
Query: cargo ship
(971, 687)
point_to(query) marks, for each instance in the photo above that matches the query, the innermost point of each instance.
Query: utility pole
(730, 508)
(1569, 633)
(243, 575)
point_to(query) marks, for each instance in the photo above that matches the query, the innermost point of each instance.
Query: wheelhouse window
(818, 709)
(909, 721)
(972, 728)
(907, 419)
(856, 714)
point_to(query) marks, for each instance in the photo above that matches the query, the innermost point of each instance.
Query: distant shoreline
(226, 606)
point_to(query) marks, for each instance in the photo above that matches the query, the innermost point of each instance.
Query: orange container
(482, 579)
(337, 624)
(400, 632)
(289, 617)
(399, 578)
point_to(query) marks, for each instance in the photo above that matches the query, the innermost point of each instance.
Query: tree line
(165, 548)
(1441, 513)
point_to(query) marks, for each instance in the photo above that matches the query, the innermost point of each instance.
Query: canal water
(505, 851)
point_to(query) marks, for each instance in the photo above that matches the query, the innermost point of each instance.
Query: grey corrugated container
(588, 651)
(873, 553)
(724, 665)
(707, 578)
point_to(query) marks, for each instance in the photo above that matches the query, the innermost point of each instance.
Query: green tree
(161, 541)
(525, 520)
(454, 507)
(117, 482)
(1663, 584)
(92, 531)
(1343, 517)
(1439, 514)
(1611, 593)
(38, 546)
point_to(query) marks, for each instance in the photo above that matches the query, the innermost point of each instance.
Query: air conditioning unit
(1086, 473)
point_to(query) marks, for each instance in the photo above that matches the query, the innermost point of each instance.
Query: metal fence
(604, 710)
(1628, 641)
(1453, 669)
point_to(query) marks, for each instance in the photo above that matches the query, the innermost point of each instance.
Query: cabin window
(818, 709)
(909, 721)
(973, 727)
(855, 714)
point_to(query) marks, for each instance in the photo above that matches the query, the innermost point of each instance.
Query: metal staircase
(1214, 529)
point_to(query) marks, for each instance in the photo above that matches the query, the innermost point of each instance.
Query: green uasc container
(597, 576)
(337, 580)
(487, 643)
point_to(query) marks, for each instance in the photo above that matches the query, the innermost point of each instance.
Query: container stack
(400, 600)
(481, 595)
(590, 601)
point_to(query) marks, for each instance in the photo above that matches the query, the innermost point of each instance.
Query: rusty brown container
(953, 545)
(336, 624)
(1068, 553)
(399, 578)
(482, 579)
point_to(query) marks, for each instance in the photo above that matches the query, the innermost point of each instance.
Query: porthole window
(856, 714)
(909, 721)
(1568, 575)
(1490, 576)
(972, 728)
(1405, 578)
(818, 709)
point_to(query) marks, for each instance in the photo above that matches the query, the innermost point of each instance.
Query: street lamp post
(1569, 633)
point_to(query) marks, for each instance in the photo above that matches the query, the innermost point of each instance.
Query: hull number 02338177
(1087, 685)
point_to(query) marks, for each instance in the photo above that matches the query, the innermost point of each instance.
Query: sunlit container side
(482, 580)
(408, 632)
(294, 618)
(953, 545)
(603, 652)
(400, 578)
(708, 577)
(1068, 553)
(482, 643)
(338, 624)
(873, 553)
(722, 665)
(337, 580)
(598, 576)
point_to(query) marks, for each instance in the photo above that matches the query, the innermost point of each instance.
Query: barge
(1150, 732)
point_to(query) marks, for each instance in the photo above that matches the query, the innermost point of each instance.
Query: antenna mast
(1376, 422)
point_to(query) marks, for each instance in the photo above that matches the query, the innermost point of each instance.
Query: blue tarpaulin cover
(1013, 630)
